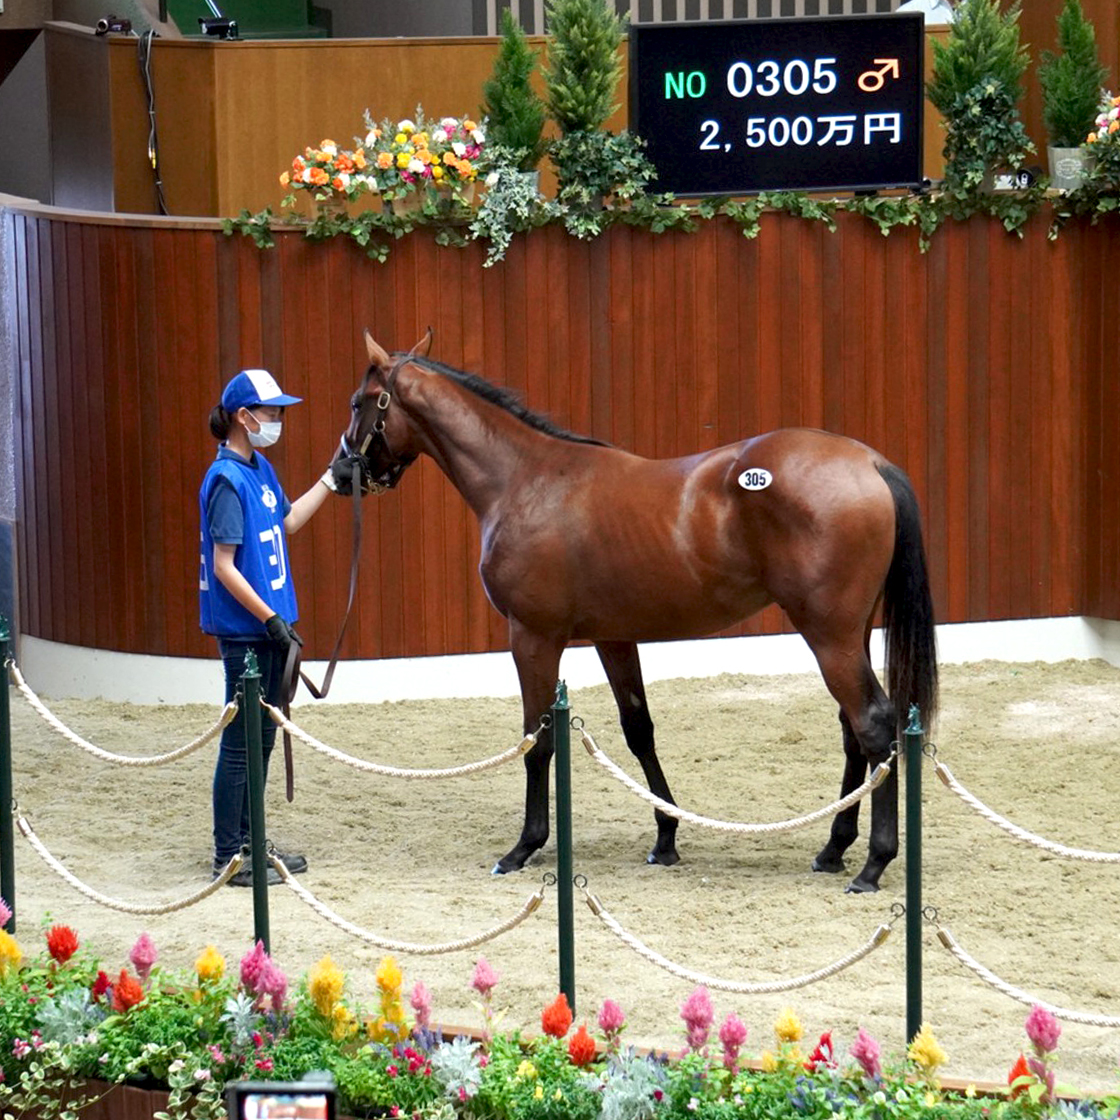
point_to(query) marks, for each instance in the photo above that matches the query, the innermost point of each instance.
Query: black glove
(282, 632)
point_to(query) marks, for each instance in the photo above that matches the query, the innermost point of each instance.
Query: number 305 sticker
(755, 479)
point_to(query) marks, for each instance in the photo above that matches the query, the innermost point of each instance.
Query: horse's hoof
(861, 886)
(665, 859)
(506, 866)
(829, 866)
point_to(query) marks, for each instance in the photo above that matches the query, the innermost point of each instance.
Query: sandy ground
(411, 860)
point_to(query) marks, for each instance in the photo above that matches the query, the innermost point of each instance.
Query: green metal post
(7, 851)
(562, 744)
(251, 714)
(913, 738)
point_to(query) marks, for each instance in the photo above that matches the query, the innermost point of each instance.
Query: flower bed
(75, 1035)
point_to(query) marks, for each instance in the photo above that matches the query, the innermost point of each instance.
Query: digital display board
(823, 103)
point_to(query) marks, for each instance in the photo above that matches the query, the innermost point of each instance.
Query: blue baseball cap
(252, 387)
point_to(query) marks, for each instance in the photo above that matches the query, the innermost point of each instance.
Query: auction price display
(737, 106)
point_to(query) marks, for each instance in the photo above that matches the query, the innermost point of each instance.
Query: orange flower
(581, 1047)
(556, 1018)
(298, 165)
(62, 943)
(338, 184)
(384, 160)
(285, 179)
(344, 162)
(1019, 1069)
(1113, 127)
(319, 177)
(469, 125)
(360, 159)
(127, 991)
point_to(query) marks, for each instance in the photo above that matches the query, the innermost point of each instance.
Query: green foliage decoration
(515, 114)
(1071, 80)
(584, 68)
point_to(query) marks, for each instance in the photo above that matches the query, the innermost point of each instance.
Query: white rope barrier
(390, 946)
(985, 974)
(228, 712)
(878, 776)
(286, 724)
(973, 802)
(733, 986)
(220, 881)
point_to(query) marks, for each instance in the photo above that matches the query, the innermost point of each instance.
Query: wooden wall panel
(982, 367)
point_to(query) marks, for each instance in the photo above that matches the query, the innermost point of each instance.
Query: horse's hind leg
(869, 724)
(624, 671)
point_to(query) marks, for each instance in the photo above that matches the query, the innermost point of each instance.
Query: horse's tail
(908, 627)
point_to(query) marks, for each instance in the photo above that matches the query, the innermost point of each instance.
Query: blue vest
(262, 556)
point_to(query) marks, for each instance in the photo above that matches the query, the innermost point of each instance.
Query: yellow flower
(388, 975)
(403, 159)
(925, 1052)
(930, 1098)
(437, 172)
(557, 1096)
(970, 1090)
(538, 1093)
(788, 1027)
(211, 965)
(526, 1071)
(768, 1062)
(400, 138)
(343, 1022)
(285, 179)
(10, 952)
(325, 985)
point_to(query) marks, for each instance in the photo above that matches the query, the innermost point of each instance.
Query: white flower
(440, 136)
(344, 178)
(368, 182)
(406, 126)
(176, 1066)
(305, 175)
(449, 123)
(492, 178)
(202, 1075)
(1114, 113)
(459, 149)
(371, 139)
(478, 136)
(329, 148)
(416, 166)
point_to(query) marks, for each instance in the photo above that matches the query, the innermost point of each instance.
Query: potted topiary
(1071, 89)
(581, 78)
(514, 112)
(976, 86)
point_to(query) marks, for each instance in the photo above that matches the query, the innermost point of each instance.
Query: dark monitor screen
(828, 103)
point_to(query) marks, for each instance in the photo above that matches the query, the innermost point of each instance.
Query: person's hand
(282, 632)
(328, 480)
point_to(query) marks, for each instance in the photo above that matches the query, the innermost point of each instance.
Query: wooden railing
(985, 367)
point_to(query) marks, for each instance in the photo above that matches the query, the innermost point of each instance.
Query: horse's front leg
(624, 671)
(538, 666)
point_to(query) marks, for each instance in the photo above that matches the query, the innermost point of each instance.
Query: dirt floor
(411, 860)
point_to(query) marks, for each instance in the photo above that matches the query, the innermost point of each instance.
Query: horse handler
(246, 597)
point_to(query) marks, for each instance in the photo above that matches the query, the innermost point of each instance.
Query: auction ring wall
(985, 367)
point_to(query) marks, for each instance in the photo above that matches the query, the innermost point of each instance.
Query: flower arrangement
(405, 156)
(67, 1024)
(1104, 142)
(330, 173)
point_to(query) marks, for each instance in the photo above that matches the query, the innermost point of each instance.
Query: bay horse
(582, 540)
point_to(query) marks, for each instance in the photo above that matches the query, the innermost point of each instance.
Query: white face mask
(269, 433)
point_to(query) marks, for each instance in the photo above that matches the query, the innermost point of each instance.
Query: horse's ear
(423, 347)
(377, 356)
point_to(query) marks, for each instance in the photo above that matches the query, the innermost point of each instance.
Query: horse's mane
(506, 399)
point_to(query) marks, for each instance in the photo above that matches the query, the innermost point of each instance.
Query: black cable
(145, 59)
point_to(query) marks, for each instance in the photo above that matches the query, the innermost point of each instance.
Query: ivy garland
(925, 211)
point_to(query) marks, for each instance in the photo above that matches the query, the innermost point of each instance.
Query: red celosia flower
(62, 943)
(127, 991)
(581, 1047)
(100, 986)
(556, 1018)
(1019, 1070)
(822, 1056)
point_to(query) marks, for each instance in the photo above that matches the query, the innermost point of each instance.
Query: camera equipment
(113, 25)
(310, 1099)
(219, 27)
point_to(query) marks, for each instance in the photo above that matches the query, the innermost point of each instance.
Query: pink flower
(21, 1049)
(697, 1013)
(143, 956)
(484, 978)
(611, 1018)
(5, 913)
(422, 1004)
(218, 1054)
(264, 1065)
(1043, 1029)
(865, 1050)
(251, 965)
(732, 1035)
(272, 983)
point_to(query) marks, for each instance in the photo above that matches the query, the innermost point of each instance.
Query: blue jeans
(231, 774)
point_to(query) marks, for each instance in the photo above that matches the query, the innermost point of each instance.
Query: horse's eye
(355, 405)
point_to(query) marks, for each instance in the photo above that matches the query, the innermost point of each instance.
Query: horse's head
(377, 446)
